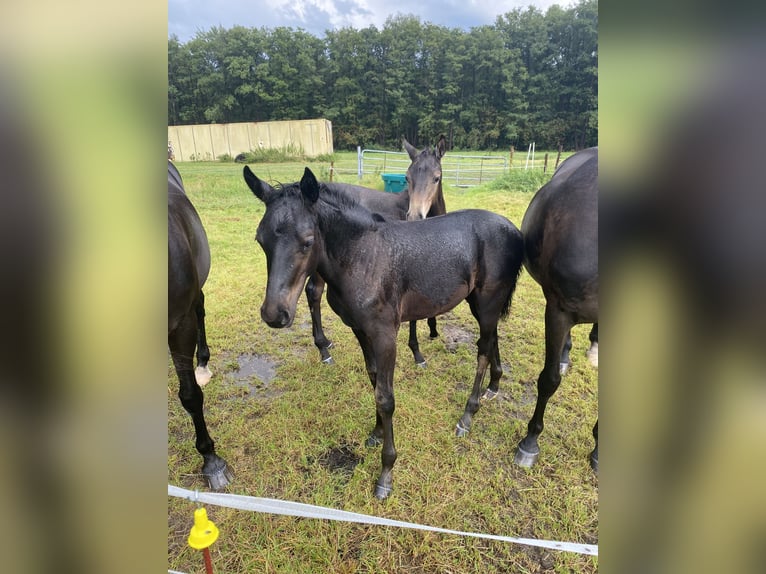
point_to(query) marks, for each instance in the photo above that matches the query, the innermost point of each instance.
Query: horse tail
(515, 259)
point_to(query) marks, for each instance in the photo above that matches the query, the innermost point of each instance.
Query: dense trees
(532, 76)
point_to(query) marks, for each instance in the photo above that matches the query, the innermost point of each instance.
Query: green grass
(275, 440)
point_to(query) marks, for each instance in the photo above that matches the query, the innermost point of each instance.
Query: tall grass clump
(288, 153)
(521, 180)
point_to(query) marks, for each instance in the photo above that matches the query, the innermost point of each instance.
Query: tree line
(529, 77)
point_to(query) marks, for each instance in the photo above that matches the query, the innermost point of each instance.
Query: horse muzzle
(276, 318)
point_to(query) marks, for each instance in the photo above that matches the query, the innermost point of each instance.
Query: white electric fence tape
(272, 506)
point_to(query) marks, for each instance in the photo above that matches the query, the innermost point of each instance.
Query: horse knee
(190, 396)
(548, 381)
(385, 403)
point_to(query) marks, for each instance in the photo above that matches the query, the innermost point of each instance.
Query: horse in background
(422, 198)
(380, 273)
(560, 230)
(188, 268)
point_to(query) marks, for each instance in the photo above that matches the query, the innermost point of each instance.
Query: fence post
(332, 169)
(545, 163)
(510, 163)
(359, 162)
(558, 157)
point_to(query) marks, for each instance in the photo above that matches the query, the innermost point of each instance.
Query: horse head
(286, 234)
(424, 178)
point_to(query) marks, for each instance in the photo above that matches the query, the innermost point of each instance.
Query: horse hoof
(372, 440)
(382, 492)
(592, 354)
(460, 430)
(422, 364)
(202, 375)
(328, 361)
(489, 394)
(219, 479)
(563, 368)
(524, 458)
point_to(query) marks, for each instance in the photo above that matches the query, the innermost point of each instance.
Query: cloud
(187, 17)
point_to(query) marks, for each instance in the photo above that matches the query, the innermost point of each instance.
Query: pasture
(293, 428)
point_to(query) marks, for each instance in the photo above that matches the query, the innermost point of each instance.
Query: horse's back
(188, 251)
(453, 243)
(439, 261)
(389, 205)
(560, 230)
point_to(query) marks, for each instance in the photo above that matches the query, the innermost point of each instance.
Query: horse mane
(336, 208)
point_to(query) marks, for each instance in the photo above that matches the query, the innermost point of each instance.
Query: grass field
(300, 436)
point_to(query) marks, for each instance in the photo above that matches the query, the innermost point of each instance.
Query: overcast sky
(187, 17)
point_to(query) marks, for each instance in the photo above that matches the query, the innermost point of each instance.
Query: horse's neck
(403, 201)
(342, 231)
(438, 207)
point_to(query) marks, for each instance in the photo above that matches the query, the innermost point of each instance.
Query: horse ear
(413, 153)
(441, 146)
(261, 189)
(309, 186)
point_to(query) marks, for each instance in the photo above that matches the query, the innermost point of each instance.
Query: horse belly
(415, 305)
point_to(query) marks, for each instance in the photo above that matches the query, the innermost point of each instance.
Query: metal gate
(459, 170)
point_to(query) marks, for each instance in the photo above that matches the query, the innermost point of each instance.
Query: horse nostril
(277, 318)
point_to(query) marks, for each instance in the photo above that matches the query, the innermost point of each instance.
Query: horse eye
(307, 244)
(437, 178)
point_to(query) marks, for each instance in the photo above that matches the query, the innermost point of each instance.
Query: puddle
(455, 336)
(255, 373)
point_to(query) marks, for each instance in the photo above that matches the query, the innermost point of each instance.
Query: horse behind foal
(560, 230)
(188, 268)
(380, 273)
(422, 198)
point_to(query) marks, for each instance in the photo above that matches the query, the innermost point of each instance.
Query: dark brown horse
(380, 273)
(422, 198)
(188, 268)
(560, 231)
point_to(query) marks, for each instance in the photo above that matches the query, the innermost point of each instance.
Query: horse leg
(202, 373)
(381, 353)
(594, 454)
(557, 326)
(482, 361)
(592, 352)
(376, 435)
(487, 353)
(564, 362)
(385, 358)
(181, 343)
(314, 290)
(432, 326)
(414, 346)
(495, 372)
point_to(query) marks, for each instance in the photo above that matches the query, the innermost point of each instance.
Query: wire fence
(464, 170)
